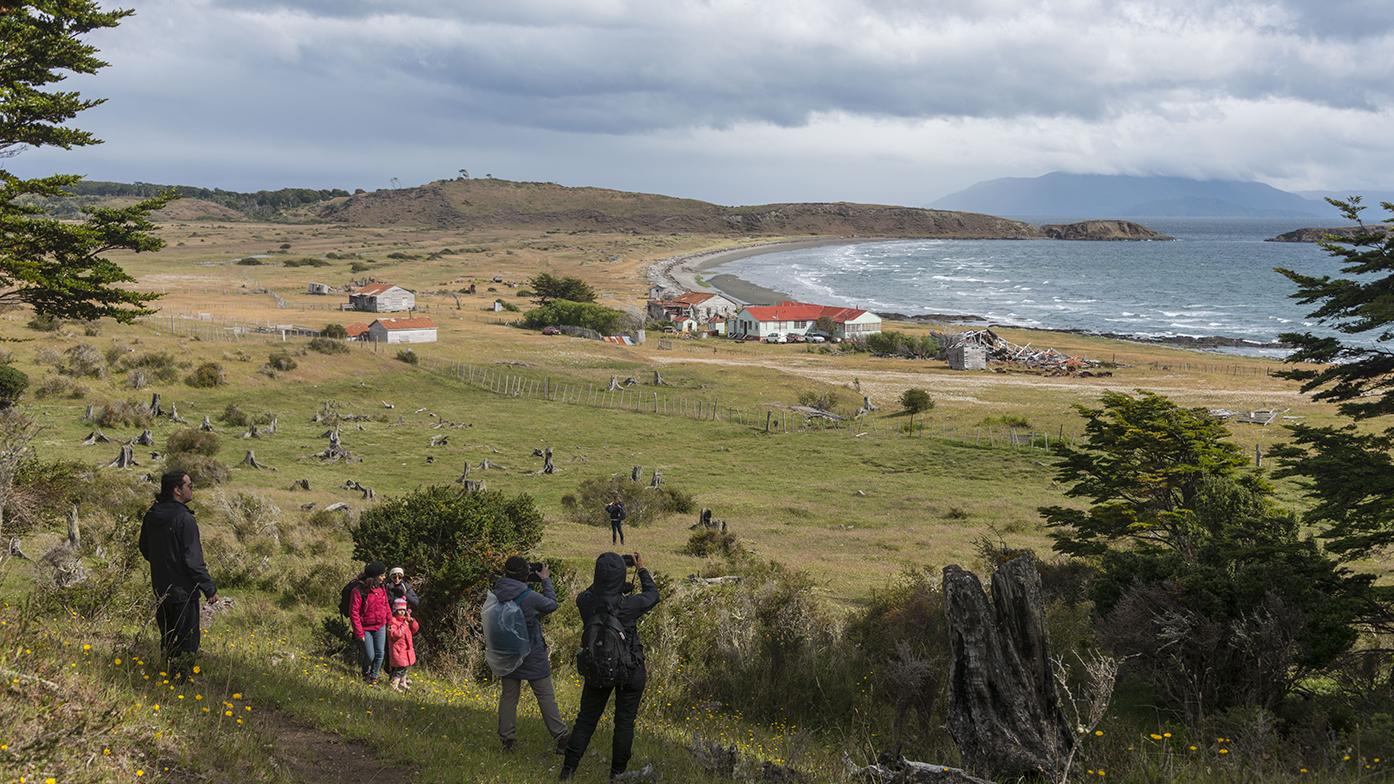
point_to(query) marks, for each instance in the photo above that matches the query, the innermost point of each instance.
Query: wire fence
(653, 400)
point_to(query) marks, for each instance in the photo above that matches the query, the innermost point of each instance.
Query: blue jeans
(371, 650)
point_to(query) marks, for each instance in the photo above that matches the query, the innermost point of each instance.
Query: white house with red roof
(700, 305)
(761, 321)
(402, 330)
(381, 298)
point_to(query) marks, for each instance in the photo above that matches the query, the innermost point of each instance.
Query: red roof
(375, 288)
(356, 329)
(802, 311)
(406, 323)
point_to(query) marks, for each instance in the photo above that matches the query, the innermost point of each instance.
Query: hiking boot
(509, 745)
(567, 774)
(562, 740)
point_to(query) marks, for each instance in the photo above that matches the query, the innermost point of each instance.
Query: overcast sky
(740, 101)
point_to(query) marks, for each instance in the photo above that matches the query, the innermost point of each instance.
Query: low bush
(305, 262)
(234, 415)
(328, 346)
(408, 356)
(13, 382)
(895, 344)
(84, 360)
(334, 331)
(204, 470)
(281, 360)
(709, 542)
(589, 315)
(1006, 420)
(250, 261)
(157, 365)
(192, 441)
(44, 322)
(642, 504)
(59, 386)
(359, 266)
(121, 413)
(207, 376)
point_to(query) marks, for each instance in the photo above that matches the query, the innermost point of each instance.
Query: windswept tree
(55, 267)
(915, 401)
(1190, 546)
(1348, 469)
(547, 287)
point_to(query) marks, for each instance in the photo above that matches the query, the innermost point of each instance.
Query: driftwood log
(1004, 713)
(337, 506)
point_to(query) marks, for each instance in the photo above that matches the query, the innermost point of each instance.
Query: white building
(402, 330)
(317, 288)
(382, 298)
(761, 321)
(701, 306)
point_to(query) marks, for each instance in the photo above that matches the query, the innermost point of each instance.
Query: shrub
(45, 322)
(281, 360)
(59, 386)
(206, 376)
(551, 288)
(13, 382)
(328, 346)
(250, 261)
(192, 441)
(897, 344)
(252, 517)
(234, 415)
(334, 331)
(84, 360)
(823, 401)
(359, 266)
(642, 503)
(589, 315)
(127, 413)
(159, 365)
(305, 262)
(1006, 420)
(709, 542)
(205, 471)
(408, 356)
(454, 540)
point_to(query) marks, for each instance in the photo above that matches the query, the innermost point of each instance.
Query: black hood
(508, 589)
(610, 572)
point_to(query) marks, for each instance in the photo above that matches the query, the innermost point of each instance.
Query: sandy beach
(684, 273)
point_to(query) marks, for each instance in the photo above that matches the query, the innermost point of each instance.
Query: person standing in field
(611, 658)
(399, 588)
(617, 516)
(169, 540)
(401, 635)
(368, 614)
(536, 669)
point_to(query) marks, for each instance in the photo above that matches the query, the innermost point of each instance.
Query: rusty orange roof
(406, 323)
(356, 329)
(802, 311)
(375, 288)
(693, 298)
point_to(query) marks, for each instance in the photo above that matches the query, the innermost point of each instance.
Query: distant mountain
(1371, 197)
(1125, 196)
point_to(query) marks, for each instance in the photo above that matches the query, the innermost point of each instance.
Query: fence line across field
(647, 400)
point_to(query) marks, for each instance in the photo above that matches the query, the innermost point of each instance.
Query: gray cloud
(870, 99)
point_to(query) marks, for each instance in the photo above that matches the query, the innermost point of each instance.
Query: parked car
(795, 337)
(776, 339)
(551, 331)
(815, 339)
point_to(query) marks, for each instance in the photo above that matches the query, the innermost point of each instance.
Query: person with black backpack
(364, 601)
(615, 509)
(611, 658)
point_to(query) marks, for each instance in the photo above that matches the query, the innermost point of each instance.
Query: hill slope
(1090, 195)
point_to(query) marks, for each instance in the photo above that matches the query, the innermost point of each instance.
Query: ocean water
(1215, 279)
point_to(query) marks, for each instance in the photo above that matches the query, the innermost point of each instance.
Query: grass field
(852, 506)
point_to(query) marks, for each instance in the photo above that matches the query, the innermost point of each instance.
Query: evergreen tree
(1348, 468)
(547, 287)
(55, 267)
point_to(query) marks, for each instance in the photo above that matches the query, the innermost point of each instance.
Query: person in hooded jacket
(369, 612)
(169, 540)
(536, 669)
(607, 590)
(398, 588)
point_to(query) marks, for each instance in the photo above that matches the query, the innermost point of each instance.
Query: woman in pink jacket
(400, 631)
(368, 613)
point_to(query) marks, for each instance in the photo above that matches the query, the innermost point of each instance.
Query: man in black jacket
(169, 541)
(615, 509)
(607, 590)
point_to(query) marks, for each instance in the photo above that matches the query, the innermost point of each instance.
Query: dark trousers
(177, 618)
(593, 701)
(616, 531)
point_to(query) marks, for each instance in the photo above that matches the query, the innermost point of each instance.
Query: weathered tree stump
(174, 414)
(96, 437)
(657, 379)
(1003, 710)
(636, 473)
(146, 438)
(252, 432)
(485, 465)
(471, 486)
(87, 416)
(125, 459)
(250, 461)
(300, 484)
(441, 440)
(656, 480)
(207, 424)
(464, 475)
(547, 467)
(155, 410)
(270, 427)
(614, 384)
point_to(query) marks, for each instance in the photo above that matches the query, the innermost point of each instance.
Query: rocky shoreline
(1195, 342)
(1340, 233)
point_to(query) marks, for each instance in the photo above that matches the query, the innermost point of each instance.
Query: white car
(815, 338)
(776, 339)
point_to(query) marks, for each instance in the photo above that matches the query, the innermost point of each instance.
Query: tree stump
(146, 438)
(300, 484)
(174, 414)
(442, 440)
(125, 459)
(207, 424)
(657, 379)
(614, 384)
(1003, 710)
(252, 432)
(87, 417)
(270, 427)
(155, 410)
(472, 486)
(96, 437)
(547, 467)
(250, 461)
(464, 475)
(656, 480)
(636, 473)
(485, 465)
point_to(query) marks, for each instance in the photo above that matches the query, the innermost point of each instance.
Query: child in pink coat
(401, 648)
